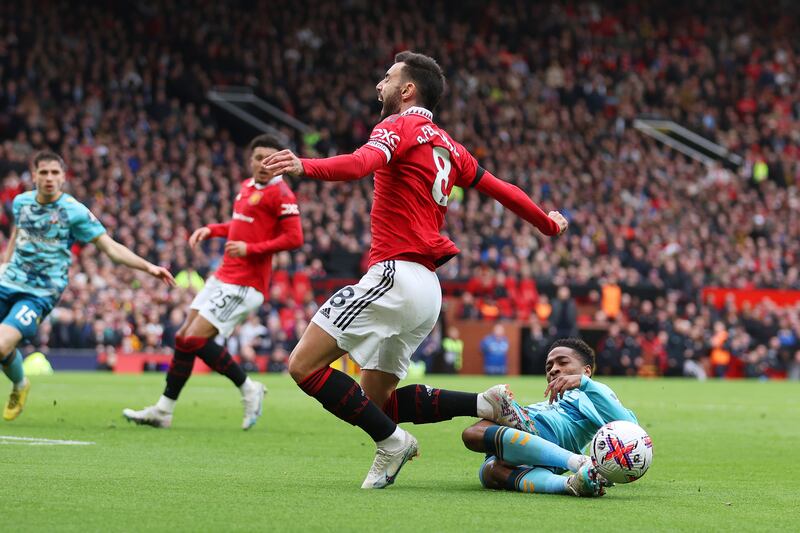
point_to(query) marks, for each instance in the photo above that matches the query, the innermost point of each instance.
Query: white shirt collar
(417, 110)
(259, 186)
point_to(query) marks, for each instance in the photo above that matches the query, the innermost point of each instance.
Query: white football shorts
(225, 305)
(382, 319)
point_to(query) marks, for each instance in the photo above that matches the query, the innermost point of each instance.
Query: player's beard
(391, 104)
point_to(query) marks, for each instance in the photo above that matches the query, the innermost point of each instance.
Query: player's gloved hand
(562, 384)
(559, 219)
(236, 248)
(199, 234)
(3, 267)
(162, 274)
(283, 162)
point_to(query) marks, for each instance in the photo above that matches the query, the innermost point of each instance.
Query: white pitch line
(34, 441)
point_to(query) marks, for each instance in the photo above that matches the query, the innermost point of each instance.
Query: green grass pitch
(725, 458)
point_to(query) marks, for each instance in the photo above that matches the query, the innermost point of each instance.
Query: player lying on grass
(530, 457)
(265, 221)
(383, 318)
(47, 221)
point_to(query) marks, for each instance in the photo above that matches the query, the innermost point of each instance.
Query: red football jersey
(259, 214)
(412, 189)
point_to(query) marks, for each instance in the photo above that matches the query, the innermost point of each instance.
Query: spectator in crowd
(535, 353)
(494, 348)
(189, 278)
(278, 361)
(564, 318)
(720, 355)
(452, 351)
(630, 355)
(794, 367)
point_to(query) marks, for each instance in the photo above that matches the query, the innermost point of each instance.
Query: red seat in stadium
(527, 291)
(301, 284)
(280, 278)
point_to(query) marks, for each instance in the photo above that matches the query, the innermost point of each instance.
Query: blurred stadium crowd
(544, 94)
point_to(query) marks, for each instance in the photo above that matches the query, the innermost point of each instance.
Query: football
(622, 451)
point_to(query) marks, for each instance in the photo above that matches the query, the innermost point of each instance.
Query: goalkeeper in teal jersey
(552, 434)
(47, 221)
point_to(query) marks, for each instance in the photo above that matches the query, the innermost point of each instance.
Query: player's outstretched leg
(12, 368)
(196, 338)
(338, 393)
(180, 369)
(218, 358)
(421, 404)
(496, 475)
(520, 448)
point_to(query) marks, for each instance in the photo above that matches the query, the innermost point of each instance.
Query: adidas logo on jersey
(326, 312)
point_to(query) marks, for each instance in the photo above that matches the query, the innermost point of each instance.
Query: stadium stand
(544, 94)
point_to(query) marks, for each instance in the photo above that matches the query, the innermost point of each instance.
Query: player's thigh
(494, 473)
(415, 305)
(316, 349)
(352, 319)
(222, 306)
(382, 319)
(9, 338)
(21, 322)
(200, 327)
(378, 385)
(193, 314)
(394, 352)
(473, 435)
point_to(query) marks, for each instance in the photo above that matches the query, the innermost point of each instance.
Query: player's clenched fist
(199, 234)
(559, 219)
(283, 162)
(236, 248)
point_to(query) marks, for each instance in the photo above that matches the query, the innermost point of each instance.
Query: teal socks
(12, 367)
(521, 448)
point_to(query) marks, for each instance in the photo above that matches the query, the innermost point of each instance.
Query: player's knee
(473, 438)
(490, 475)
(298, 367)
(200, 328)
(7, 346)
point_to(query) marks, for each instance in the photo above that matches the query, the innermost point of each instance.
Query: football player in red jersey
(265, 221)
(381, 320)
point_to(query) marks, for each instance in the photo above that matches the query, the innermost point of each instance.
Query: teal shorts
(23, 311)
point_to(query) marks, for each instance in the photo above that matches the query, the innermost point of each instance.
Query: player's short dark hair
(266, 140)
(47, 155)
(426, 74)
(579, 347)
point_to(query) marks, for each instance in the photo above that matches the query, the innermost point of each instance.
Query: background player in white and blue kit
(47, 221)
(550, 439)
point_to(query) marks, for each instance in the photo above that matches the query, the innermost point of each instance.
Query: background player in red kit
(265, 220)
(381, 320)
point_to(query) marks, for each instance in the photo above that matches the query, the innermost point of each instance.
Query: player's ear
(587, 369)
(408, 91)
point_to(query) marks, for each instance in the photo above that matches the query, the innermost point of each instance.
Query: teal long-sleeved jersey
(573, 420)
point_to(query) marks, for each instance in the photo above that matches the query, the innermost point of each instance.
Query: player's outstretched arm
(338, 168)
(9, 251)
(514, 199)
(12, 241)
(123, 256)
